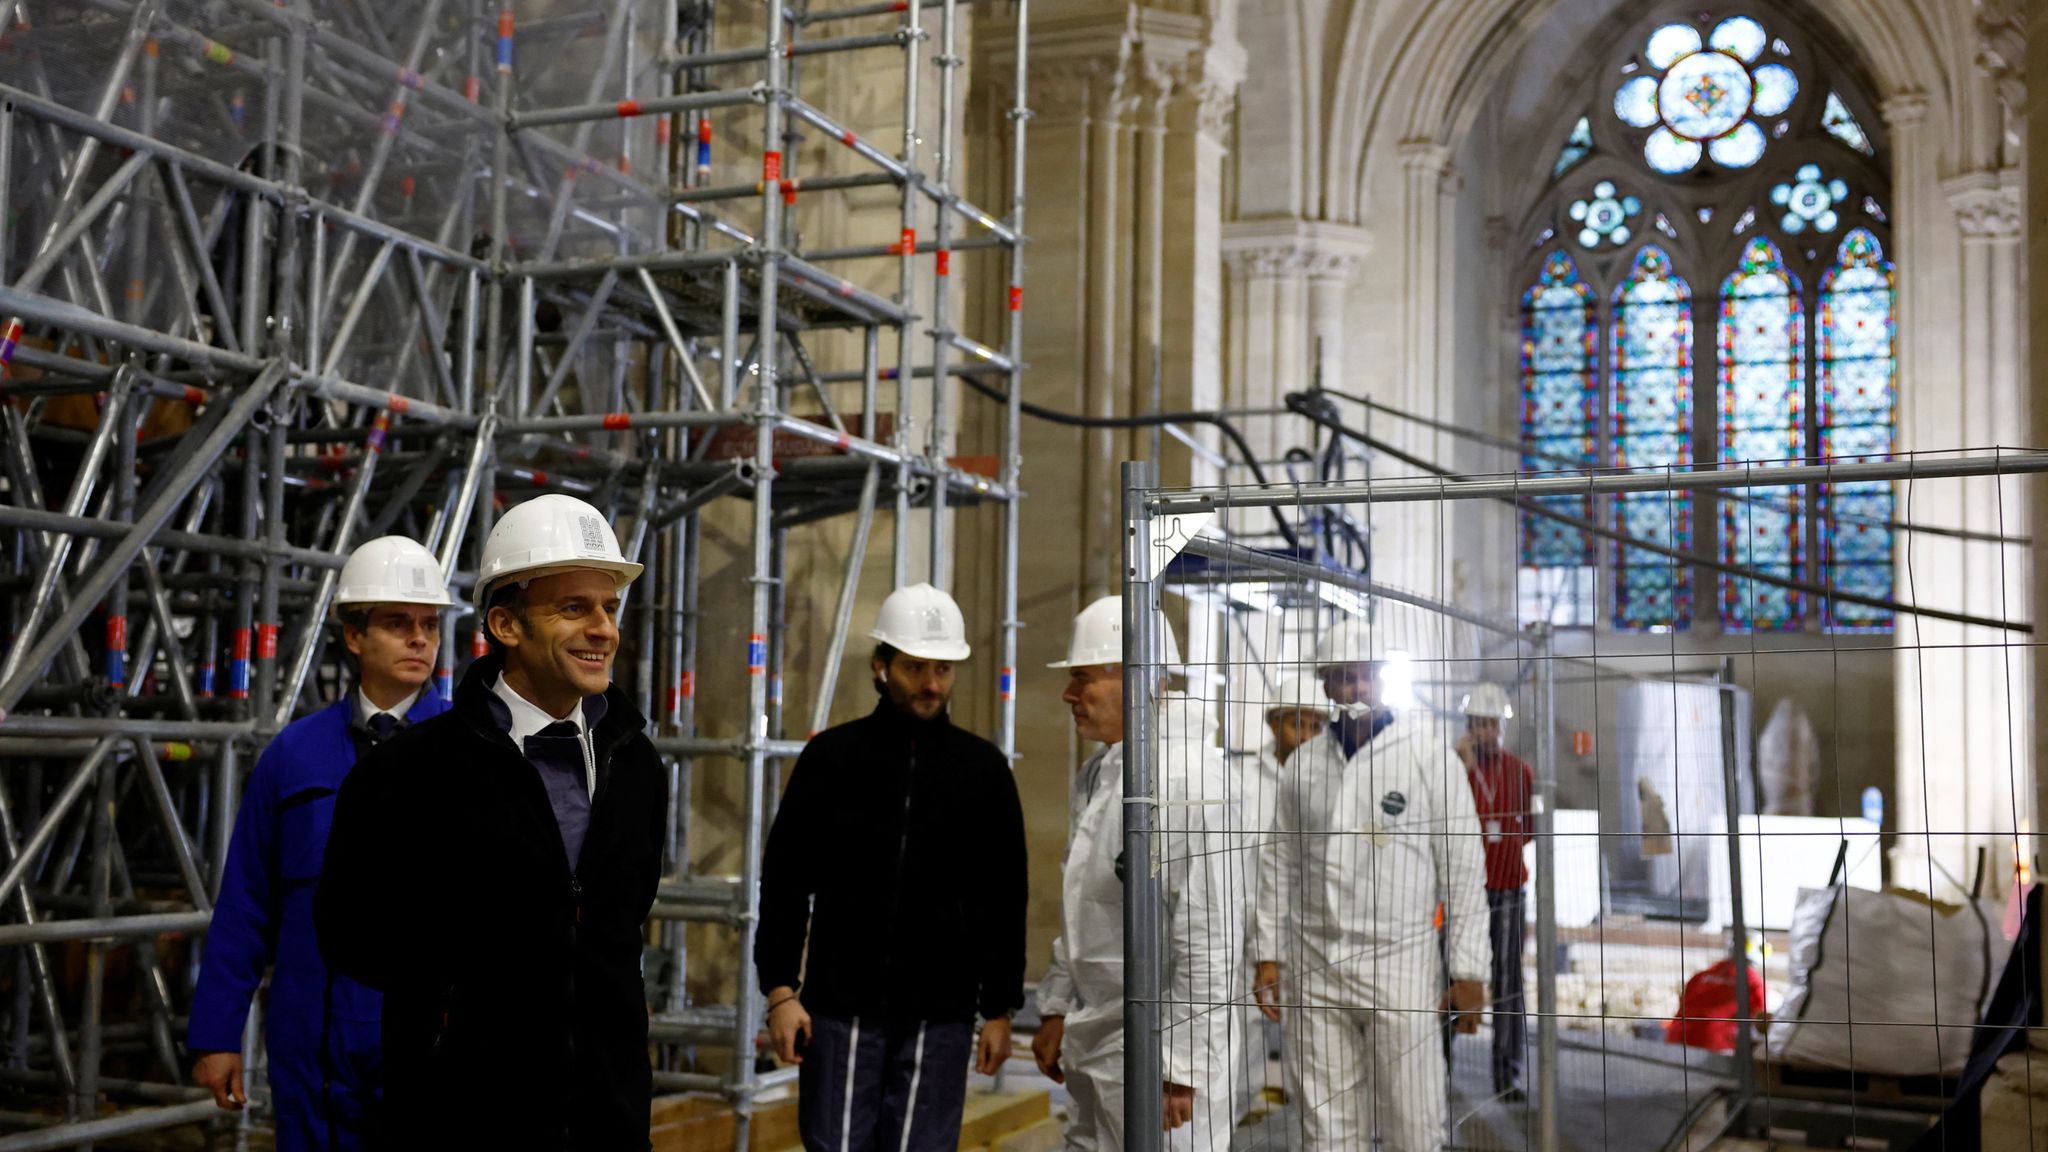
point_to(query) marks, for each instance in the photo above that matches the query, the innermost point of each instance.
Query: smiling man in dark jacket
(489, 870)
(899, 847)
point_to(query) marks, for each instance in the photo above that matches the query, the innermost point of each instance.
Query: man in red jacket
(1502, 785)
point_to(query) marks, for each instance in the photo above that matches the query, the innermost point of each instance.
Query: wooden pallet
(997, 1122)
(1799, 1080)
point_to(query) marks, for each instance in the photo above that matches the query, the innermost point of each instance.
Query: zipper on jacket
(902, 859)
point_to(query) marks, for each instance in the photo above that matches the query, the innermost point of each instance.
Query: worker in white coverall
(1080, 1041)
(1297, 711)
(1373, 828)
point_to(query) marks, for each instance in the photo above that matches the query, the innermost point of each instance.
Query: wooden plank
(990, 1116)
(705, 1124)
(1045, 1136)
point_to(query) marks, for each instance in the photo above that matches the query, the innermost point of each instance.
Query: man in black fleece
(490, 869)
(899, 846)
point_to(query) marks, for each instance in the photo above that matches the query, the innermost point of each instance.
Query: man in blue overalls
(323, 1028)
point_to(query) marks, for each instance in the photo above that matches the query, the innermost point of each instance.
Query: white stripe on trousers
(916, 1073)
(846, 1113)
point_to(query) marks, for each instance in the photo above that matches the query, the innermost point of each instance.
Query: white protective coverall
(1257, 780)
(1360, 853)
(1203, 920)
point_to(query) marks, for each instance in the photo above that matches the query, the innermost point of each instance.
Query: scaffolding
(279, 278)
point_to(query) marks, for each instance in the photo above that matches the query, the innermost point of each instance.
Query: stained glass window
(1652, 427)
(1576, 146)
(1558, 405)
(1809, 201)
(1605, 215)
(1763, 421)
(1711, 97)
(1842, 126)
(1855, 368)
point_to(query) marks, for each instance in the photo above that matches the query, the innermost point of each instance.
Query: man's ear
(504, 626)
(353, 638)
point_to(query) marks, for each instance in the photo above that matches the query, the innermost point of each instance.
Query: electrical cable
(1306, 404)
(1157, 419)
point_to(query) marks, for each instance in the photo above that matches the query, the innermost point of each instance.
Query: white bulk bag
(1886, 982)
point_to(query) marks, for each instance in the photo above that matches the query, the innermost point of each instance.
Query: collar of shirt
(365, 709)
(527, 718)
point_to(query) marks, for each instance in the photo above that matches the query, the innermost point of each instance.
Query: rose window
(1709, 95)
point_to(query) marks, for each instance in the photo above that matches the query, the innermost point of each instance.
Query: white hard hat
(1488, 701)
(551, 533)
(1349, 641)
(391, 570)
(1298, 691)
(1099, 637)
(919, 620)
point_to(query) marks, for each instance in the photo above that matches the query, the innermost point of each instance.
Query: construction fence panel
(1675, 890)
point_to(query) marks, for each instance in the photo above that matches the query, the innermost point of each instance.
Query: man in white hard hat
(1081, 999)
(490, 870)
(1502, 788)
(321, 1029)
(898, 855)
(1374, 830)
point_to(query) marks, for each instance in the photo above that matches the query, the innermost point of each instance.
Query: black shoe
(1512, 1095)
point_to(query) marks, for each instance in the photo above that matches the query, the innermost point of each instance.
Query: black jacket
(906, 840)
(514, 1012)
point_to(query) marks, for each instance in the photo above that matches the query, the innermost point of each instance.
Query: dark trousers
(1507, 930)
(872, 1085)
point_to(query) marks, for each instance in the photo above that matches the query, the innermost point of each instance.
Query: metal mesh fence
(1484, 882)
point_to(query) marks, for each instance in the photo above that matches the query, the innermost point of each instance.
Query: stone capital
(1286, 248)
(1904, 109)
(1987, 204)
(1425, 158)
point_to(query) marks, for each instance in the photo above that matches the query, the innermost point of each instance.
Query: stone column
(1124, 189)
(2035, 101)
(1291, 285)
(1410, 540)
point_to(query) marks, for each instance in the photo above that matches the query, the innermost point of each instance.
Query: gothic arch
(1422, 73)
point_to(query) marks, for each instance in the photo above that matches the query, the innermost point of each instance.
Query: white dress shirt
(365, 709)
(529, 718)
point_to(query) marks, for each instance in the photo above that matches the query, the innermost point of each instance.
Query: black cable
(1568, 463)
(1157, 419)
(1307, 405)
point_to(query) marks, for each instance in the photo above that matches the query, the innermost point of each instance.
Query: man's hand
(1045, 1047)
(1466, 999)
(1178, 1105)
(1467, 747)
(994, 1046)
(787, 1021)
(1266, 988)
(221, 1074)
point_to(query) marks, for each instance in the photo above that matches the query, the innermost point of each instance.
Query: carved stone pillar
(1961, 690)
(1290, 284)
(1124, 194)
(1410, 540)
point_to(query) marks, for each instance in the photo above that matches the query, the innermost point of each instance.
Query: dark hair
(511, 596)
(886, 653)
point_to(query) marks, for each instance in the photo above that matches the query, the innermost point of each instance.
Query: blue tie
(556, 752)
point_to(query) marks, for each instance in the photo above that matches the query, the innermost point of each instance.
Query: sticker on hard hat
(1393, 803)
(593, 534)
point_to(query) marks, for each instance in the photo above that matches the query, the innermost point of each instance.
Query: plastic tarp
(1887, 982)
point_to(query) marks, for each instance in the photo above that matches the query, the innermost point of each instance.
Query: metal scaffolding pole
(306, 263)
